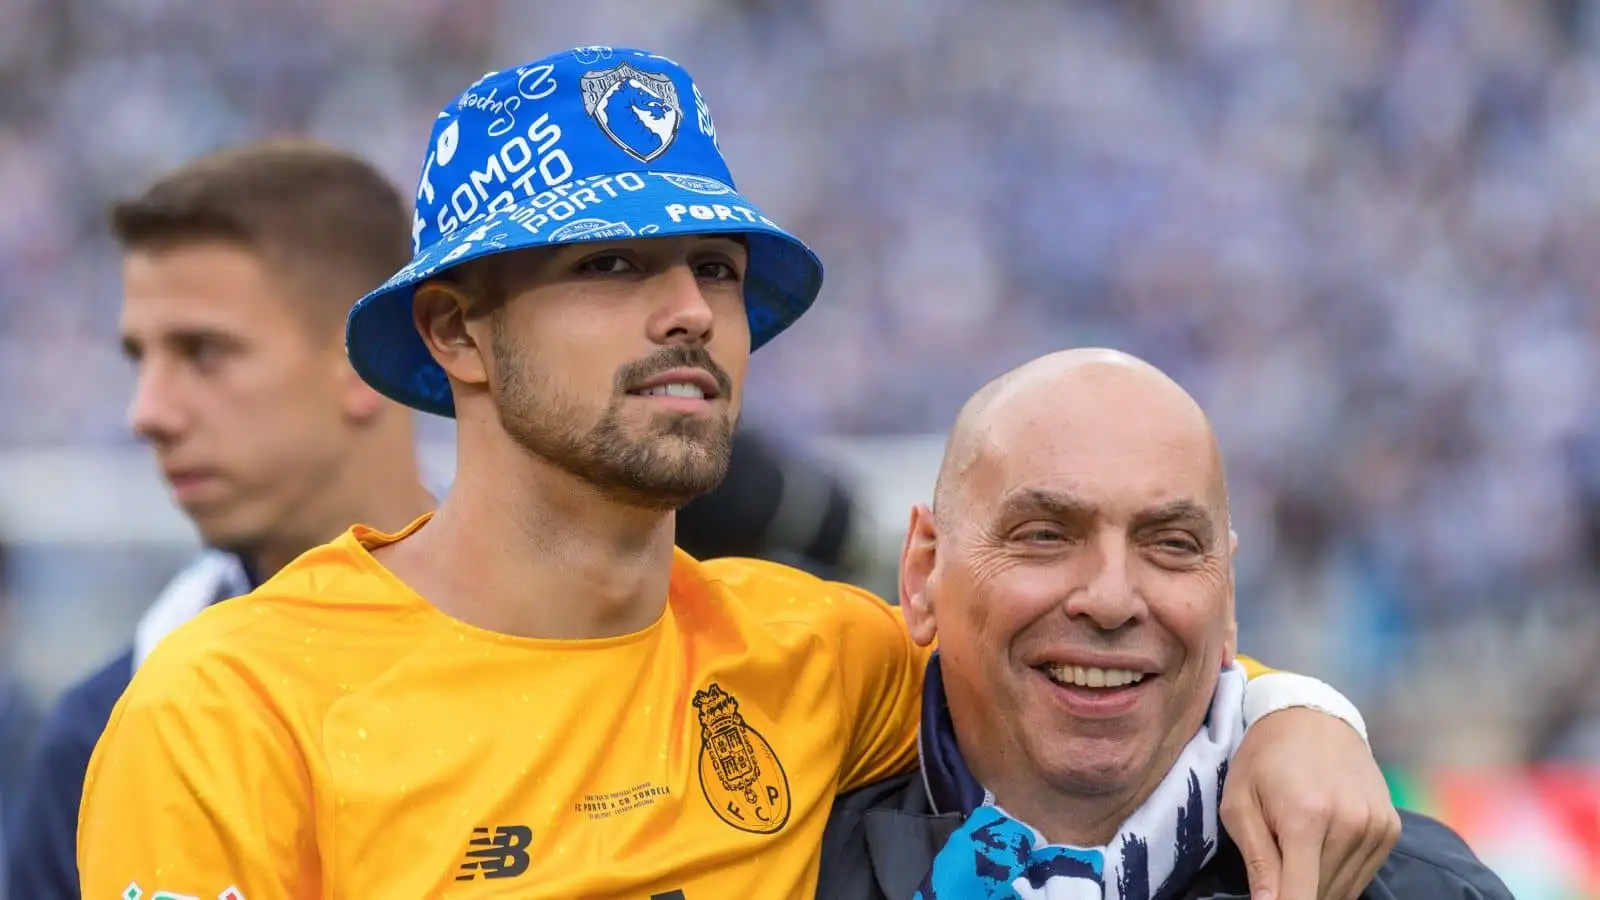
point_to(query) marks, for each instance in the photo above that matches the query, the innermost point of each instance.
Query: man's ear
(358, 399)
(439, 310)
(1231, 641)
(918, 559)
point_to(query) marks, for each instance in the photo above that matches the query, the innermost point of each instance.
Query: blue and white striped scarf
(1154, 855)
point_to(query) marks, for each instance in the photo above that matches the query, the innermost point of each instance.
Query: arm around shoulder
(197, 786)
(1269, 691)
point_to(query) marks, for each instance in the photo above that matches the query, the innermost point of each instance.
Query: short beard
(683, 459)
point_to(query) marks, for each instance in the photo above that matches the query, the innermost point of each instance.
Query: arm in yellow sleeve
(882, 674)
(194, 788)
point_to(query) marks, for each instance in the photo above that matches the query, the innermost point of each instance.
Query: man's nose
(1109, 596)
(682, 314)
(154, 413)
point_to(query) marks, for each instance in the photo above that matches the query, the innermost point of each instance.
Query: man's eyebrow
(1025, 502)
(1183, 511)
(1040, 502)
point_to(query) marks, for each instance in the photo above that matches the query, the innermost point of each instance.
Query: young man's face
(622, 362)
(238, 391)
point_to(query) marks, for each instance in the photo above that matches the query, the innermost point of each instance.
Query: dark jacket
(41, 835)
(881, 839)
(42, 832)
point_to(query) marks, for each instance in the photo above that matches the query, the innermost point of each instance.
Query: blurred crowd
(1362, 232)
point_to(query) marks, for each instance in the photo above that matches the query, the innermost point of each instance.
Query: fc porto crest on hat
(638, 110)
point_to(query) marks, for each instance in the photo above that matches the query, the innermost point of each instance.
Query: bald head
(1083, 392)
(1081, 516)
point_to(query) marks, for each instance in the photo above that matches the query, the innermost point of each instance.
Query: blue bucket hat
(591, 144)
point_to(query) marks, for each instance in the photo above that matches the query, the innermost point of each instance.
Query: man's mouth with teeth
(1089, 677)
(673, 389)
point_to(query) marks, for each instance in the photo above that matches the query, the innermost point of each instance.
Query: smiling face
(618, 362)
(1079, 580)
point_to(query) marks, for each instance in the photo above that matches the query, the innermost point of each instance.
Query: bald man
(1085, 703)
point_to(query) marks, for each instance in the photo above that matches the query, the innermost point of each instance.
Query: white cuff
(1274, 691)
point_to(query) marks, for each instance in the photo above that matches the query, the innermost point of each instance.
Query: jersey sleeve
(1253, 668)
(881, 671)
(196, 788)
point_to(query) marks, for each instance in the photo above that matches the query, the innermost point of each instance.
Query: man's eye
(609, 264)
(716, 271)
(1180, 544)
(202, 351)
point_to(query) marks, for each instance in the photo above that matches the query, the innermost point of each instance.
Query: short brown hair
(301, 203)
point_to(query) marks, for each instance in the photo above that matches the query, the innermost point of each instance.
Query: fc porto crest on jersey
(638, 110)
(739, 773)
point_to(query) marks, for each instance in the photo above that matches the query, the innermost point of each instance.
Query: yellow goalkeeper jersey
(333, 735)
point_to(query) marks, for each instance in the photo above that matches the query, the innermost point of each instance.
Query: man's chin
(234, 540)
(668, 483)
(688, 462)
(671, 495)
(211, 521)
(703, 431)
(1092, 767)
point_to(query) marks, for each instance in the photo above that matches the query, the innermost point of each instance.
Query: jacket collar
(214, 576)
(902, 842)
(951, 786)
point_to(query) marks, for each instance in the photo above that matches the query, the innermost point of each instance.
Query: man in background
(238, 270)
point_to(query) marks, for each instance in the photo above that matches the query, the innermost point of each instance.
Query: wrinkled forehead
(1119, 464)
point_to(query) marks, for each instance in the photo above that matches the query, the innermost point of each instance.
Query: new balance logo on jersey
(503, 854)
